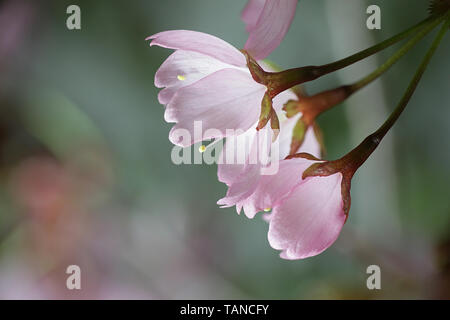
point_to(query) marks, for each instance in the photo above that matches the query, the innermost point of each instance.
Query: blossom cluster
(207, 79)
(238, 96)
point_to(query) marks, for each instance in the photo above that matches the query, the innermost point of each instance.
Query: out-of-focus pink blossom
(205, 79)
(267, 22)
(15, 20)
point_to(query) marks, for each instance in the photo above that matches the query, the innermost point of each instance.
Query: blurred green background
(86, 176)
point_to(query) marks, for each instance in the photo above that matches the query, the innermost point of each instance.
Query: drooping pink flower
(205, 79)
(315, 207)
(307, 213)
(267, 22)
(310, 217)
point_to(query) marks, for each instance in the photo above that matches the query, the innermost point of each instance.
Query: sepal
(298, 135)
(266, 111)
(257, 72)
(275, 125)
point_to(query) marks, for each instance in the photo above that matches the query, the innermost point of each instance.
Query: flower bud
(291, 108)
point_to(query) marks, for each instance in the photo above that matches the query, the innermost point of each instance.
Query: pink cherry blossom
(205, 79)
(307, 214)
(310, 218)
(267, 22)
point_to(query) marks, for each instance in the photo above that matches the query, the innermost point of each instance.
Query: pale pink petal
(234, 155)
(229, 172)
(251, 13)
(285, 136)
(310, 144)
(273, 189)
(253, 148)
(310, 219)
(255, 192)
(242, 189)
(226, 99)
(183, 68)
(271, 27)
(199, 42)
(242, 180)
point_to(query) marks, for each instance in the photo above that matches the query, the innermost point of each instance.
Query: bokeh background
(86, 176)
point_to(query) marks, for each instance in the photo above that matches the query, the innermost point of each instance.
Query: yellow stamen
(202, 148)
(181, 78)
(267, 209)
